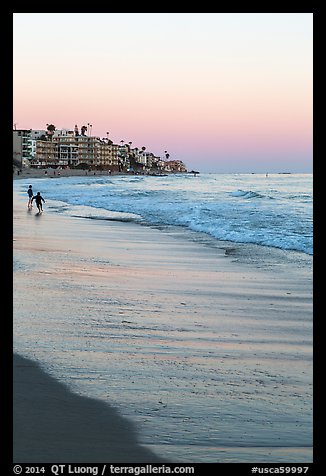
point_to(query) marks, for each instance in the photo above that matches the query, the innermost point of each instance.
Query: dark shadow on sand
(53, 425)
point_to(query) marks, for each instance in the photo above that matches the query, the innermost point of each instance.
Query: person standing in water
(30, 197)
(38, 199)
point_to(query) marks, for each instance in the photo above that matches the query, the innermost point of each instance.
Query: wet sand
(52, 424)
(210, 359)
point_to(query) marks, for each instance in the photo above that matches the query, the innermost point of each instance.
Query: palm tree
(50, 129)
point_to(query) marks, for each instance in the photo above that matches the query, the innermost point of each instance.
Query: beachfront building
(45, 154)
(54, 153)
(160, 164)
(152, 161)
(67, 148)
(123, 157)
(62, 133)
(173, 166)
(21, 146)
(17, 149)
(147, 160)
(24, 145)
(87, 150)
(114, 155)
(32, 149)
(37, 134)
(96, 153)
(66, 152)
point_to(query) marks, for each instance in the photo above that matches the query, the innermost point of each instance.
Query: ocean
(273, 211)
(232, 390)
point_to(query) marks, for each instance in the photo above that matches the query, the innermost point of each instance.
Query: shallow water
(205, 380)
(273, 211)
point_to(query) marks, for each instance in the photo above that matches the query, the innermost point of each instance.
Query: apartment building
(67, 148)
(21, 145)
(174, 166)
(45, 154)
(24, 144)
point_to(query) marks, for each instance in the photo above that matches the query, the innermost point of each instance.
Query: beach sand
(183, 337)
(31, 173)
(52, 424)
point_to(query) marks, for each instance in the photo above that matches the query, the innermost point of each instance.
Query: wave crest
(246, 194)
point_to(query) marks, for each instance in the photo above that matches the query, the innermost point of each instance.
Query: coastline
(137, 276)
(55, 173)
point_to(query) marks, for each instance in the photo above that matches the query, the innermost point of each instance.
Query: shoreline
(55, 173)
(244, 251)
(148, 314)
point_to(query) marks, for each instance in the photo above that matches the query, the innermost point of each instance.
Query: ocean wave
(83, 211)
(258, 237)
(246, 194)
(232, 208)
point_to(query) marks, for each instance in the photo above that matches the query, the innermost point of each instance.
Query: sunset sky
(224, 92)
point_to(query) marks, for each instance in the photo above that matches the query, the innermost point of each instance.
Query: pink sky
(222, 92)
